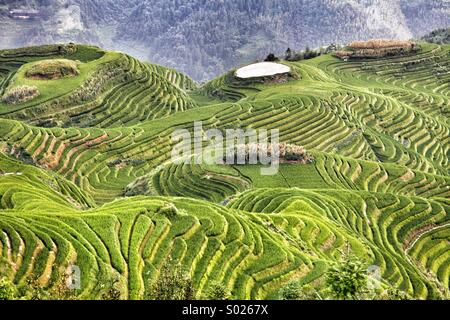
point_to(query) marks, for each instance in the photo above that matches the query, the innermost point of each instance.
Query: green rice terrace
(86, 177)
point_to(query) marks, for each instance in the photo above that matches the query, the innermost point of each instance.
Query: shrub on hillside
(271, 58)
(172, 284)
(393, 294)
(169, 210)
(33, 290)
(111, 290)
(347, 279)
(53, 69)
(293, 291)
(290, 291)
(7, 290)
(291, 156)
(20, 94)
(289, 54)
(217, 291)
(308, 53)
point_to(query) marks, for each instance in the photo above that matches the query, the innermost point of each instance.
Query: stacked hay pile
(377, 49)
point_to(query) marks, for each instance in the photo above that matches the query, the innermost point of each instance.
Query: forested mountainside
(440, 36)
(206, 38)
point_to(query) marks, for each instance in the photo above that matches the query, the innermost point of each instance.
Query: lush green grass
(289, 176)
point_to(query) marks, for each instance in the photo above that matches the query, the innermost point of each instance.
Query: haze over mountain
(206, 38)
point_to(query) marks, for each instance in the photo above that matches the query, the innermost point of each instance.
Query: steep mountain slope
(206, 38)
(426, 15)
(379, 184)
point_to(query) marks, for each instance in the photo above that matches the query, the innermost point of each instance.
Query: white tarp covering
(262, 69)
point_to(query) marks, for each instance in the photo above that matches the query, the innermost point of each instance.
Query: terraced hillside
(85, 175)
(113, 90)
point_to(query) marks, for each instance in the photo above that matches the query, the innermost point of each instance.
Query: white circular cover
(262, 69)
